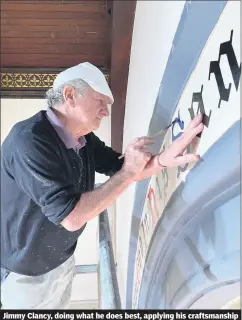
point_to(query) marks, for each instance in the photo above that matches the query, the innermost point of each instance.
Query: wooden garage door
(54, 34)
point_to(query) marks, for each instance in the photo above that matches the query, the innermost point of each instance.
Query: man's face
(90, 109)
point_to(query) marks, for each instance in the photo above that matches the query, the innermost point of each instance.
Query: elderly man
(48, 167)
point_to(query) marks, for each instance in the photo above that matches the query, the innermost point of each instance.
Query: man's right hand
(93, 202)
(137, 156)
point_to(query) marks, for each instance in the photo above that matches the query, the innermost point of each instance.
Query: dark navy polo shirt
(42, 179)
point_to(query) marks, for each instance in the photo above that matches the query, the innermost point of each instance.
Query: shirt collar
(65, 136)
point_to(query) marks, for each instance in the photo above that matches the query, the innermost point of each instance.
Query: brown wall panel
(53, 49)
(56, 41)
(57, 33)
(41, 28)
(54, 34)
(85, 34)
(121, 46)
(52, 15)
(77, 6)
(51, 22)
(50, 61)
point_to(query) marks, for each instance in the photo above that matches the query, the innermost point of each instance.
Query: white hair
(55, 97)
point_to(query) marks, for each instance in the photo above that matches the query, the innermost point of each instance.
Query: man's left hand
(174, 156)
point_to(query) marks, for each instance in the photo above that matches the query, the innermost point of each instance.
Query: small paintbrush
(158, 133)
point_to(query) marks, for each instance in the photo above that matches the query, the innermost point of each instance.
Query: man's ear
(68, 94)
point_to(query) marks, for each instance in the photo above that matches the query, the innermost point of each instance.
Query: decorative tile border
(30, 83)
(29, 80)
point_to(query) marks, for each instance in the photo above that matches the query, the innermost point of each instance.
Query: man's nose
(106, 111)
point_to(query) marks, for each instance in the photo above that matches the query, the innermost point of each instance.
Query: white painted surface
(87, 245)
(82, 305)
(85, 287)
(220, 121)
(154, 29)
(224, 296)
(14, 110)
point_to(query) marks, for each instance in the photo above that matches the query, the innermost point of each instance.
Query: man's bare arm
(92, 203)
(139, 164)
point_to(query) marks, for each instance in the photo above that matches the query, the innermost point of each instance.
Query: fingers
(191, 134)
(187, 158)
(195, 122)
(186, 138)
(147, 156)
(193, 129)
(176, 154)
(143, 141)
(146, 149)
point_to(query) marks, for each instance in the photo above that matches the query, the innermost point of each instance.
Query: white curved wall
(154, 28)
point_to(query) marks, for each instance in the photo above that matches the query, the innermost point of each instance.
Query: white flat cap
(87, 72)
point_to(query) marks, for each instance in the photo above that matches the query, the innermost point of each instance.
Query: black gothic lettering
(227, 49)
(183, 169)
(197, 97)
(223, 92)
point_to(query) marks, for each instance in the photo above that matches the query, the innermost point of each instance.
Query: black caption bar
(121, 315)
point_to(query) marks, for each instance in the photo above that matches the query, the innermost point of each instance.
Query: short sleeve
(106, 159)
(39, 172)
